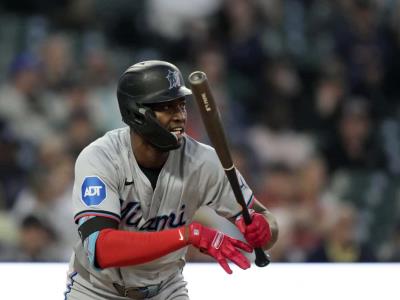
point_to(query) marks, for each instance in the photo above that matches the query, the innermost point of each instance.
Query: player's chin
(180, 139)
(179, 136)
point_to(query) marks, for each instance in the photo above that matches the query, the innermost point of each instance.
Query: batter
(137, 189)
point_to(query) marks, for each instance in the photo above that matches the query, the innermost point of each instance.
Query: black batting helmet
(150, 82)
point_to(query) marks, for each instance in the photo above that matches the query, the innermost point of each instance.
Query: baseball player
(137, 189)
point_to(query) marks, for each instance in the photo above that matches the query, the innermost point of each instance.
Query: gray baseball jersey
(110, 183)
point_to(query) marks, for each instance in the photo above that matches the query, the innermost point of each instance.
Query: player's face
(172, 115)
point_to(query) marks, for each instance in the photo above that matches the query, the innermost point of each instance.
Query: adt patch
(93, 190)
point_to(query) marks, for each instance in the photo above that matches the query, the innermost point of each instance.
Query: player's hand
(258, 233)
(219, 246)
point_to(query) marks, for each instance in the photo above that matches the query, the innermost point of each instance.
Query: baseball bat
(212, 121)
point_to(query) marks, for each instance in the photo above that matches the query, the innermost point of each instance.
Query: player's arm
(106, 246)
(118, 248)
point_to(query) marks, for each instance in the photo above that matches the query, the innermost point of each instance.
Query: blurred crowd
(307, 89)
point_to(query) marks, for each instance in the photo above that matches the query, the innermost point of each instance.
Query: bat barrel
(197, 77)
(210, 115)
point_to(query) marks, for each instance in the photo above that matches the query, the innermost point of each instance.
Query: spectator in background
(20, 104)
(170, 20)
(64, 88)
(280, 93)
(311, 181)
(300, 233)
(274, 138)
(52, 152)
(71, 99)
(277, 186)
(361, 41)
(390, 250)
(211, 60)
(12, 174)
(279, 146)
(392, 88)
(311, 197)
(47, 196)
(98, 76)
(80, 132)
(75, 93)
(56, 55)
(35, 243)
(353, 146)
(297, 196)
(320, 116)
(341, 242)
(236, 27)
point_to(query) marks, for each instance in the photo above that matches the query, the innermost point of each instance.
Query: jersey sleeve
(95, 191)
(219, 194)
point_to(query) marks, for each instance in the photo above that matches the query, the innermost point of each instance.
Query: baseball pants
(78, 288)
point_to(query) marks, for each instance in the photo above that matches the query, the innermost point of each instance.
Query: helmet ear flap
(138, 118)
(138, 113)
(144, 121)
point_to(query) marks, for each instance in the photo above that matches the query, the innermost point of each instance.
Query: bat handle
(262, 259)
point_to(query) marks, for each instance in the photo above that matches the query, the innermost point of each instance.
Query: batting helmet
(145, 83)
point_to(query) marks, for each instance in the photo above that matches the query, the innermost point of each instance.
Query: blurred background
(308, 91)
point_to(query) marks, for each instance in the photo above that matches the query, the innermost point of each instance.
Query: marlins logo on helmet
(173, 78)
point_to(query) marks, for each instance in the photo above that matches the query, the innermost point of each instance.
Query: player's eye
(160, 107)
(182, 105)
(169, 107)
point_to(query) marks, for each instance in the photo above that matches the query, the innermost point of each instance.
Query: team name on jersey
(131, 215)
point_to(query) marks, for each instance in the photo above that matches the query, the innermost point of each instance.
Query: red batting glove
(219, 246)
(258, 233)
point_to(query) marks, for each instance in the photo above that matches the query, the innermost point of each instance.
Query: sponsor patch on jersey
(93, 191)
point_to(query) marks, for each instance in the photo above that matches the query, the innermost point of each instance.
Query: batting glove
(220, 246)
(258, 232)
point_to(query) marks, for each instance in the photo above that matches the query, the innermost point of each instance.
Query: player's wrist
(186, 234)
(194, 231)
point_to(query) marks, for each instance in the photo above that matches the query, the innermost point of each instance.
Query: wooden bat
(212, 121)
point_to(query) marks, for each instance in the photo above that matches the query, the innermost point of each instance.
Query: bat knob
(262, 258)
(197, 77)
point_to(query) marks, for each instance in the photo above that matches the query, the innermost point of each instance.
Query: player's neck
(147, 155)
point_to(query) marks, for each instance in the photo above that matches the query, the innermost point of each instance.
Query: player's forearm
(117, 248)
